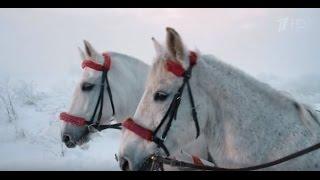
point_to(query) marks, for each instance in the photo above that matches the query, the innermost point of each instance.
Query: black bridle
(96, 124)
(172, 111)
(92, 124)
(171, 114)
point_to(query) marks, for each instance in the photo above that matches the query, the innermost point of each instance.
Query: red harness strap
(79, 121)
(177, 68)
(138, 130)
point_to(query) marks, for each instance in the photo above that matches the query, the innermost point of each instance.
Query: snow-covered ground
(30, 139)
(30, 130)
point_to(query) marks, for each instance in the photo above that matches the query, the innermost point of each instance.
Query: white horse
(126, 79)
(242, 121)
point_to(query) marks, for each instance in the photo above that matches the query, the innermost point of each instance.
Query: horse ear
(175, 44)
(158, 47)
(90, 51)
(82, 54)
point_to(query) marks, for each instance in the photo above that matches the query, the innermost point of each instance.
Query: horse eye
(86, 86)
(160, 96)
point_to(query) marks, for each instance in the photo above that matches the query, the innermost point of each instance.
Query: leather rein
(159, 161)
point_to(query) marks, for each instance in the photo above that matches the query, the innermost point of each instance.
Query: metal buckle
(91, 129)
(112, 119)
(187, 74)
(163, 138)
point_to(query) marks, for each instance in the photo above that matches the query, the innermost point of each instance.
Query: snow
(30, 140)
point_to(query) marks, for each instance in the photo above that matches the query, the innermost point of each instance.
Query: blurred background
(40, 65)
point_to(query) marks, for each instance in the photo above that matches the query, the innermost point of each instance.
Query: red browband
(177, 68)
(79, 121)
(93, 65)
(138, 130)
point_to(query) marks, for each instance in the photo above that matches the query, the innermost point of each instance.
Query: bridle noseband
(79, 121)
(171, 114)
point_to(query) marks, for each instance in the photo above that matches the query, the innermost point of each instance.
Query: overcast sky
(41, 44)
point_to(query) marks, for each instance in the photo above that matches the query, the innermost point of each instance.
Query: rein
(158, 161)
(79, 121)
(172, 162)
(171, 114)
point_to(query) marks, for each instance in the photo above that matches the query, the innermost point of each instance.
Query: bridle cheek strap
(79, 121)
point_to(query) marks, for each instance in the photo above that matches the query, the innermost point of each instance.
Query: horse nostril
(68, 141)
(124, 164)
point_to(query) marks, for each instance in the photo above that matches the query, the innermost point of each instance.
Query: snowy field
(30, 129)
(30, 134)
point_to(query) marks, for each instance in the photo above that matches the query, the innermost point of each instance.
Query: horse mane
(226, 71)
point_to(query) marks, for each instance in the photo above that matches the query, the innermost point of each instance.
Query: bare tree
(6, 98)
